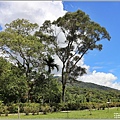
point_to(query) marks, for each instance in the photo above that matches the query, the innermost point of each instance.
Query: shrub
(103, 106)
(83, 106)
(73, 106)
(55, 107)
(1, 107)
(31, 108)
(63, 106)
(27, 110)
(45, 108)
(35, 108)
(5, 110)
(13, 108)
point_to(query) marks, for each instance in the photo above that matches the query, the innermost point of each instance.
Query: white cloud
(101, 78)
(35, 11)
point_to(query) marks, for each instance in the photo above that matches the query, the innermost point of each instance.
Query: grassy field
(84, 114)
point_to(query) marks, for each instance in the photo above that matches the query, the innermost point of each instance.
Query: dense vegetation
(46, 93)
(26, 81)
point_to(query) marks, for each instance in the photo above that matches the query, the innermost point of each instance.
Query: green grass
(96, 114)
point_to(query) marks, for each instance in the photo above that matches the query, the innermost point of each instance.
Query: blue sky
(103, 67)
(0, 28)
(107, 15)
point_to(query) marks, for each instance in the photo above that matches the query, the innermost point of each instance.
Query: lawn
(84, 114)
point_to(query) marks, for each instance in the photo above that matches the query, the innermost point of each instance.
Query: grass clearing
(83, 114)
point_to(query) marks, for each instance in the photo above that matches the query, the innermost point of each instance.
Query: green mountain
(93, 92)
(77, 90)
(92, 86)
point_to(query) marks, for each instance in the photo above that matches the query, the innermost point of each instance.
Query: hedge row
(35, 108)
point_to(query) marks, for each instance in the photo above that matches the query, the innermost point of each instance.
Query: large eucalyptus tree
(72, 36)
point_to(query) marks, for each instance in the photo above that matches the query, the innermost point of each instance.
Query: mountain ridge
(88, 85)
(92, 85)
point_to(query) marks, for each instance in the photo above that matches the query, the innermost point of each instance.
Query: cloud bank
(101, 78)
(35, 11)
(38, 12)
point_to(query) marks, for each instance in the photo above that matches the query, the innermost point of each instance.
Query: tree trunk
(18, 112)
(63, 84)
(63, 93)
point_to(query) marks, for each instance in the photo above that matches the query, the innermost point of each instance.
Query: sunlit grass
(95, 114)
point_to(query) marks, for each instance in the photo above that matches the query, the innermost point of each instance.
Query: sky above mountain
(103, 67)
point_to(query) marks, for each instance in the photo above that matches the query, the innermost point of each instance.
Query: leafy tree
(22, 47)
(46, 89)
(13, 84)
(72, 36)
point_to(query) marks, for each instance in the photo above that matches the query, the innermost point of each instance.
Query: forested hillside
(94, 93)
(86, 92)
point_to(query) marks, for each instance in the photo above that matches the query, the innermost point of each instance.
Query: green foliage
(1, 107)
(81, 35)
(88, 92)
(13, 108)
(27, 110)
(45, 108)
(12, 83)
(31, 108)
(49, 62)
(25, 50)
(5, 110)
(46, 90)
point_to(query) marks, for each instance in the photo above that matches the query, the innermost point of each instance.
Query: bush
(31, 108)
(45, 108)
(73, 106)
(117, 104)
(1, 107)
(55, 107)
(5, 110)
(70, 106)
(13, 108)
(35, 108)
(83, 106)
(27, 110)
(63, 106)
(103, 106)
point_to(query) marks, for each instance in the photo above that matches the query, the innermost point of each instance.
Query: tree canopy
(69, 38)
(80, 34)
(13, 84)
